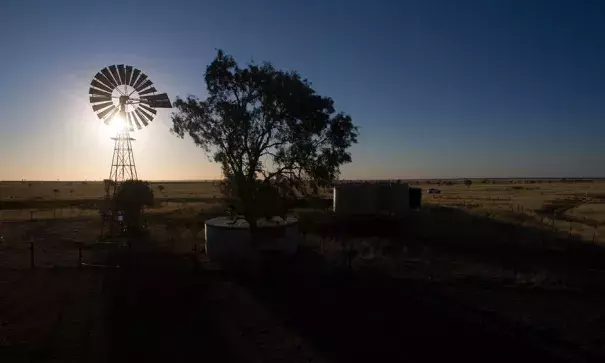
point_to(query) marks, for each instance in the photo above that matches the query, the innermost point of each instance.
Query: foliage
(268, 128)
(108, 183)
(131, 197)
(161, 188)
(468, 183)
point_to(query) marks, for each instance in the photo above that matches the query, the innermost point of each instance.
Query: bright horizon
(440, 89)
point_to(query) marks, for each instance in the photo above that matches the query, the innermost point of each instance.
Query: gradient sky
(439, 89)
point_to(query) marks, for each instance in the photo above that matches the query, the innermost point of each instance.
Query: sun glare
(117, 124)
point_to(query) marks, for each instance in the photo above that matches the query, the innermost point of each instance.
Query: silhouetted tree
(468, 183)
(161, 188)
(108, 183)
(265, 127)
(131, 197)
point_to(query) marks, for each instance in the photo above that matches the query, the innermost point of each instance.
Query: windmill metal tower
(122, 162)
(124, 97)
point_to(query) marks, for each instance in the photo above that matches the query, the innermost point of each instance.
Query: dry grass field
(576, 208)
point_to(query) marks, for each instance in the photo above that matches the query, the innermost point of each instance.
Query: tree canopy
(265, 126)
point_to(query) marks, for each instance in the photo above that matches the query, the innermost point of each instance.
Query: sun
(117, 124)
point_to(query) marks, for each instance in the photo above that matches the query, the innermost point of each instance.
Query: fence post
(32, 260)
(350, 255)
(79, 254)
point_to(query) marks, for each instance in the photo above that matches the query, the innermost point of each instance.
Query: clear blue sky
(482, 88)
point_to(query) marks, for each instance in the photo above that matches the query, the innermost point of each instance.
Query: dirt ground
(161, 306)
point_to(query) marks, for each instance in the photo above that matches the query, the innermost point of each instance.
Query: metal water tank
(415, 196)
(400, 198)
(226, 240)
(355, 198)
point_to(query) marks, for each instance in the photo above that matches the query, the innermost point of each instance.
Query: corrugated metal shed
(371, 198)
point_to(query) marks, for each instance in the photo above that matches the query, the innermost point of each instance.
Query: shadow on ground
(157, 311)
(353, 318)
(517, 247)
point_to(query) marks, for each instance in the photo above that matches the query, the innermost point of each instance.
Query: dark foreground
(160, 307)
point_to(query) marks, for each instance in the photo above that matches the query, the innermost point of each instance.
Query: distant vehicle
(433, 191)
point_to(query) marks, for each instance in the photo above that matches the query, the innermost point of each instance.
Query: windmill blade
(157, 101)
(101, 78)
(122, 73)
(115, 74)
(94, 91)
(109, 77)
(141, 79)
(141, 117)
(129, 122)
(147, 108)
(135, 119)
(135, 76)
(100, 106)
(107, 113)
(148, 90)
(143, 85)
(100, 85)
(96, 99)
(146, 114)
(128, 74)
(107, 120)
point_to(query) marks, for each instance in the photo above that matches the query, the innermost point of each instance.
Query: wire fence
(17, 215)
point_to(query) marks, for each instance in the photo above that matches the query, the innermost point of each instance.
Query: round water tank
(226, 240)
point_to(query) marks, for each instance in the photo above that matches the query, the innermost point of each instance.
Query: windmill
(124, 98)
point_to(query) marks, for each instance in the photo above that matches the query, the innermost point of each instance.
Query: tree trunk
(254, 235)
(254, 262)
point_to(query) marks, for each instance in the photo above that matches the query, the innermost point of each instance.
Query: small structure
(371, 198)
(227, 239)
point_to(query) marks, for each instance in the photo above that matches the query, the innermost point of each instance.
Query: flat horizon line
(381, 179)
